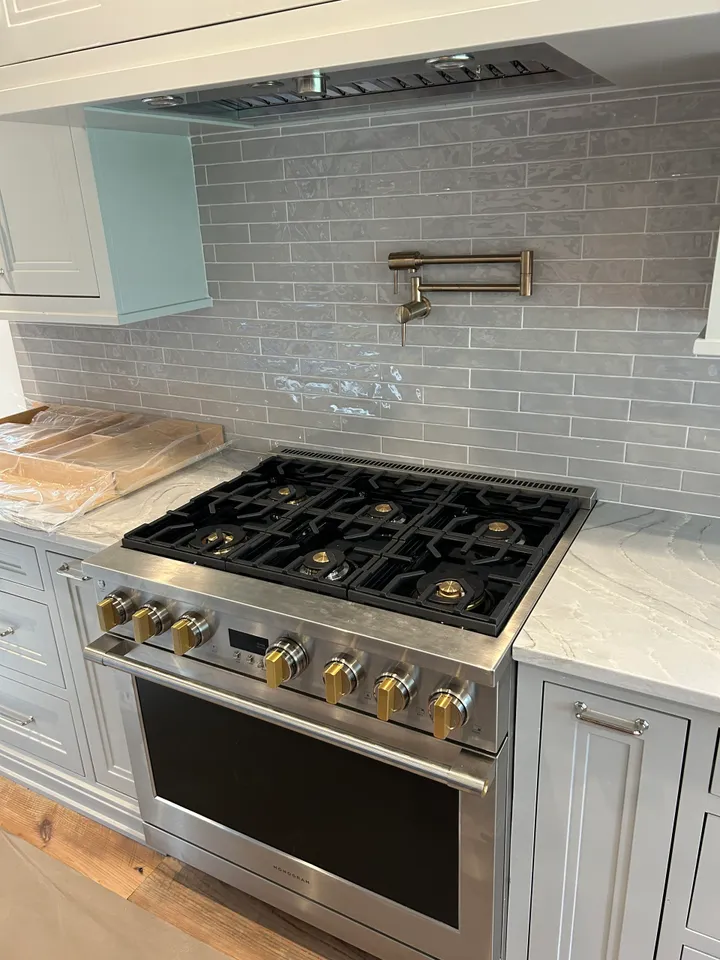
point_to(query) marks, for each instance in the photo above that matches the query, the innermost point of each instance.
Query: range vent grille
(451, 474)
(392, 83)
(501, 73)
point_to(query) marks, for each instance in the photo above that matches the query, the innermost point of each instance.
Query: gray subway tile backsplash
(593, 378)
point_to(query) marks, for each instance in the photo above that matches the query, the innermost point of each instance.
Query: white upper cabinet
(97, 225)
(45, 245)
(33, 29)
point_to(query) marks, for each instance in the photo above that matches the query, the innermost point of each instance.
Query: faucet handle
(414, 309)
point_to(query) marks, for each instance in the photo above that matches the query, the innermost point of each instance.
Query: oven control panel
(387, 685)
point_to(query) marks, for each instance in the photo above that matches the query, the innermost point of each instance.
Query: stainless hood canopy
(484, 74)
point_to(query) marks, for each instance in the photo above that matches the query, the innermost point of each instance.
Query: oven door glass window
(364, 821)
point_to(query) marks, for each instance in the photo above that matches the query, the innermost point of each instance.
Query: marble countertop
(635, 603)
(106, 525)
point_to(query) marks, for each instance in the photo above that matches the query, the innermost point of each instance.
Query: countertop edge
(607, 676)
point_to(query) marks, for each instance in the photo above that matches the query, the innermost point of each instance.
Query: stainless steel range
(317, 688)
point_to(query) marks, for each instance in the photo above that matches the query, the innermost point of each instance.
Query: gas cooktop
(458, 551)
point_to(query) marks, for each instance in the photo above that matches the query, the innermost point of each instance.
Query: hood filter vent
(485, 74)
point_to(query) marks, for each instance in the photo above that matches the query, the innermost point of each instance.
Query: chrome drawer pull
(634, 728)
(65, 570)
(7, 631)
(17, 718)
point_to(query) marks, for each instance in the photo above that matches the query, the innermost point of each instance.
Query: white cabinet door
(33, 29)
(98, 696)
(45, 245)
(605, 814)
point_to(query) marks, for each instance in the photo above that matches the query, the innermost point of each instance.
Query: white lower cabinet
(95, 686)
(596, 790)
(605, 813)
(61, 732)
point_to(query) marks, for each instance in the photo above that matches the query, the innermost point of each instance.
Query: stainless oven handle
(470, 772)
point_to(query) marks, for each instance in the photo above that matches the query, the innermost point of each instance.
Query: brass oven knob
(190, 631)
(393, 691)
(114, 609)
(449, 709)
(149, 621)
(341, 676)
(284, 659)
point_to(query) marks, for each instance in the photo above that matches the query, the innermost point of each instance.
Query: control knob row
(393, 690)
(153, 619)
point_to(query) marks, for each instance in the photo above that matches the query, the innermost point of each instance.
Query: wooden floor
(221, 916)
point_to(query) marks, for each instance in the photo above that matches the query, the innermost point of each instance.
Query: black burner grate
(458, 552)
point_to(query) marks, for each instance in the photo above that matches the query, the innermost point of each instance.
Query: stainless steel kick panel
(275, 894)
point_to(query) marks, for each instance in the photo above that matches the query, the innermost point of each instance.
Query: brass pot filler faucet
(419, 306)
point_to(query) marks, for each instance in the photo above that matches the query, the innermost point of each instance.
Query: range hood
(502, 73)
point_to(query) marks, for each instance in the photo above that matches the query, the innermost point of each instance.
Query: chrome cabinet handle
(634, 728)
(65, 570)
(17, 718)
(7, 631)
(468, 772)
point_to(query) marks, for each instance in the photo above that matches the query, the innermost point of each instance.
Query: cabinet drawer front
(27, 640)
(704, 916)
(19, 563)
(689, 954)
(37, 723)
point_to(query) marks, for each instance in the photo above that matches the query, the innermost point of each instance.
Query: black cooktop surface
(456, 551)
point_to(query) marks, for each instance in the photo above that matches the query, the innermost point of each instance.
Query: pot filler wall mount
(418, 306)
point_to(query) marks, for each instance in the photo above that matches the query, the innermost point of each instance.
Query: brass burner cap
(284, 491)
(216, 535)
(321, 557)
(450, 590)
(382, 507)
(499, 526)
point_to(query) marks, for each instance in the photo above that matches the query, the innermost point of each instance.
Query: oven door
(404, 837)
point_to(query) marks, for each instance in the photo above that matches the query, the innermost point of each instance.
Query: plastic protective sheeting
(69, 460)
